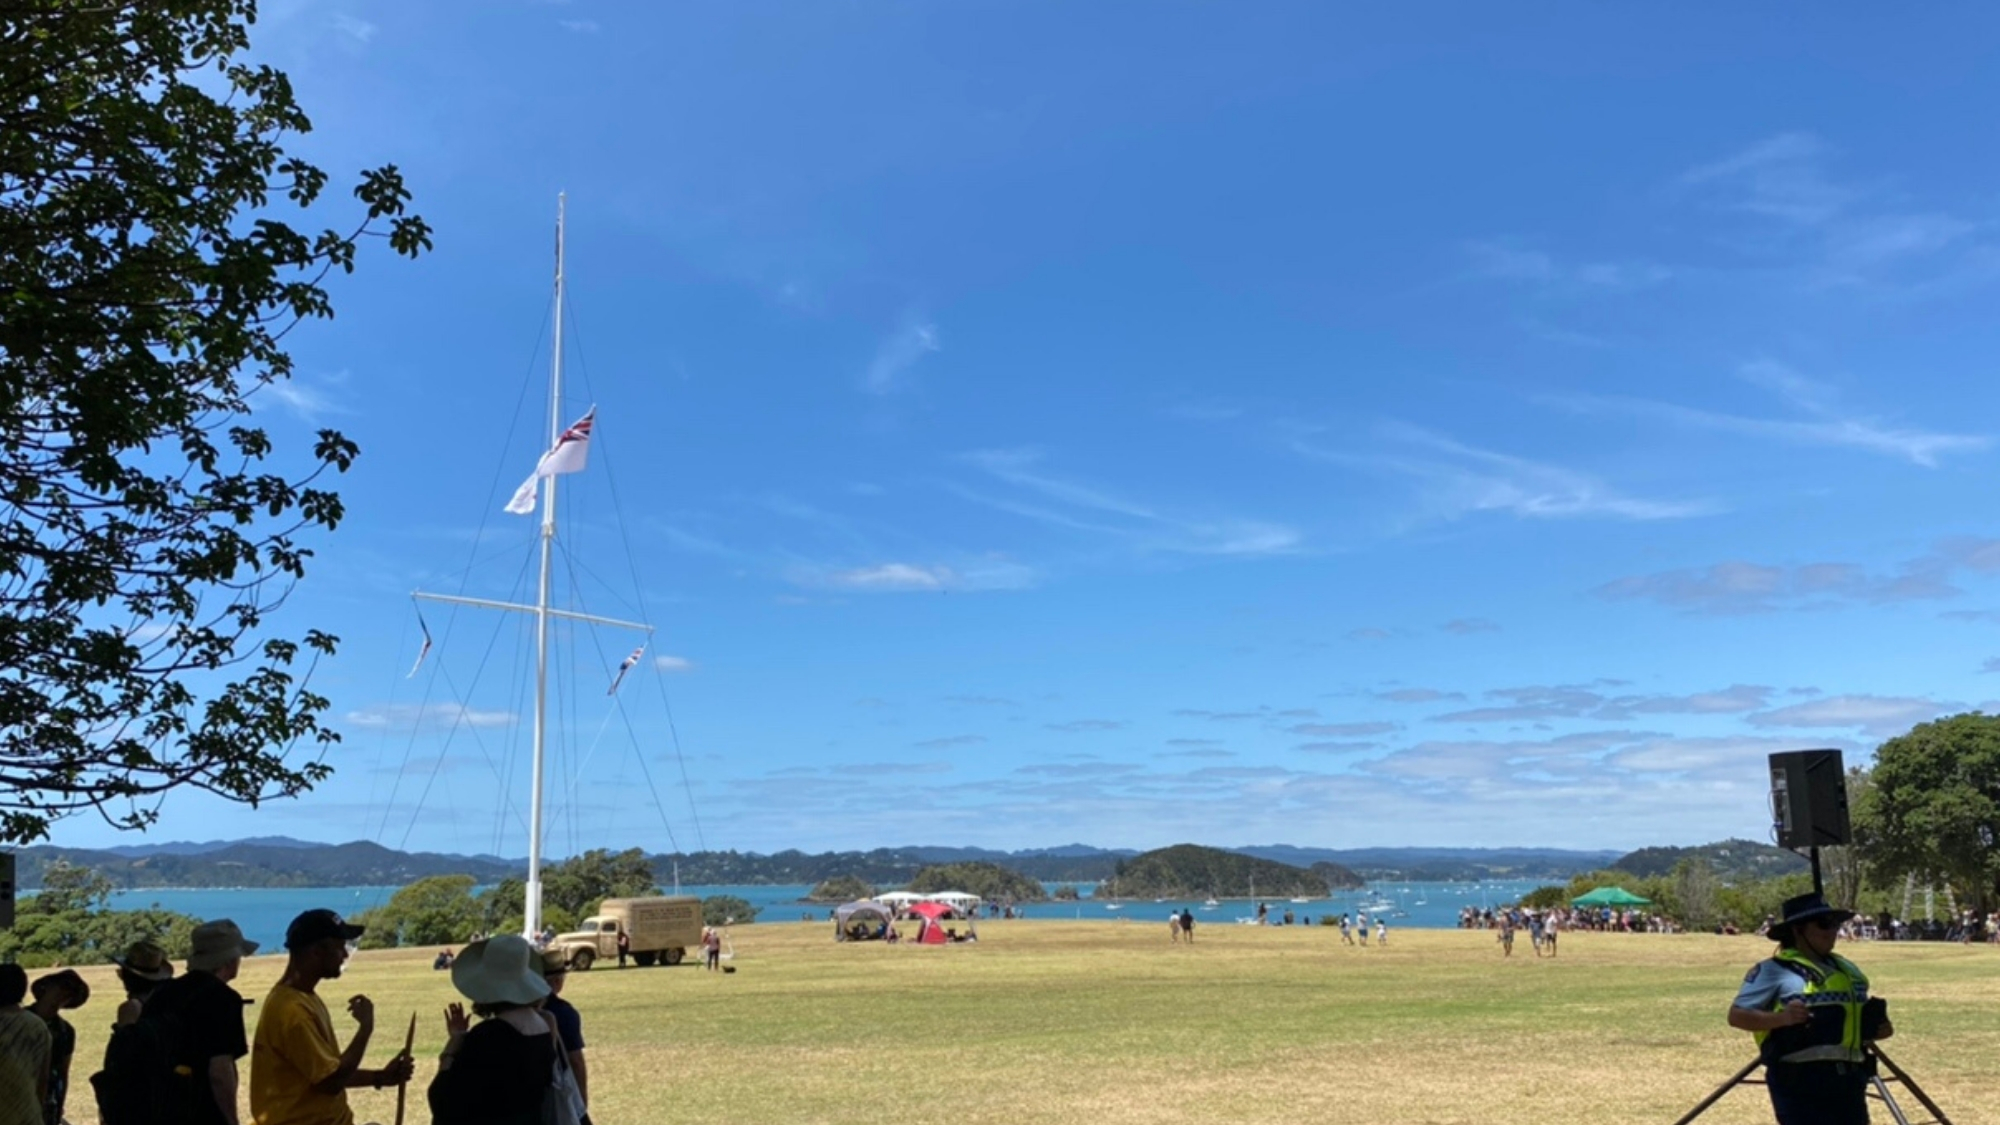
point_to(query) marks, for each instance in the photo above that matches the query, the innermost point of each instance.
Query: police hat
(1800, 909)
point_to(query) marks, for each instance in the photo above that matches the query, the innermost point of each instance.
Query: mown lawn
(1106, 1023)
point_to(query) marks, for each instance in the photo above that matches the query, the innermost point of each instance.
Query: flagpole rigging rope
(645, 615)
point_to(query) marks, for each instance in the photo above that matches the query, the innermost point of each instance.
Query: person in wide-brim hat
(503, 970)
(1801, 909)
(76, 989)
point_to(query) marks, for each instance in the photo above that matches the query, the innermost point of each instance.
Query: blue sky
(1136, 423)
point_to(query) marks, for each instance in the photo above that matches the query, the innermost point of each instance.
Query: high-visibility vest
(1843, 984)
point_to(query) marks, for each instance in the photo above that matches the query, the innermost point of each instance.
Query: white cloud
(1822, 423)
(429, 716)
(673, 664)
(1778, 177)
(1875, 715)
(893, 576)
(581, 27)
(1459, 479)
(1089, 508)
(897, 354)
(1738, 587)
(1508, 261)
(308, 399)
(354, 28)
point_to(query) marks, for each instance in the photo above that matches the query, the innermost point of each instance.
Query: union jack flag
(629, 661)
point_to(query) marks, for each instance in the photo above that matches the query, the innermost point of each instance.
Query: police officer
(1808, 1007)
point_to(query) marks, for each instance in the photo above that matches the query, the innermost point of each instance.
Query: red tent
(935, 911)
(930, 932)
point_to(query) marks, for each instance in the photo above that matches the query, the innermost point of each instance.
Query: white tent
(957, 900)
(899, 898)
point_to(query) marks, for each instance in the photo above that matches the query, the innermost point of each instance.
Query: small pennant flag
(424, 651)
(624, 668)
(570, 453)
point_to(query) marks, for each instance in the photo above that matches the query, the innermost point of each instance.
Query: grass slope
(1104, 1023)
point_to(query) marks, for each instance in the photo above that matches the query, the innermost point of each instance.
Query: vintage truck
(661, 931)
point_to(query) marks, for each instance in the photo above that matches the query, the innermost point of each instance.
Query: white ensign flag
(571, 451)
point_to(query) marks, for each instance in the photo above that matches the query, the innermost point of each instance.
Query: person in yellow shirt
(299, 1075)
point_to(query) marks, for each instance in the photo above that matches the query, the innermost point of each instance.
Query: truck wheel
(582, 960)
(645, 959)
(673, 956)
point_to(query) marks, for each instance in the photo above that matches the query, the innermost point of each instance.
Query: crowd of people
(178, 1041)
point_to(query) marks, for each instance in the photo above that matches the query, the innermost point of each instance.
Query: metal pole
(1734, 1081)
(532, 916)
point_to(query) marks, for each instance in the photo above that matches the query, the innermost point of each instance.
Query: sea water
(263, 913)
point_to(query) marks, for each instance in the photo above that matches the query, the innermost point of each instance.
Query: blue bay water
(264, 912)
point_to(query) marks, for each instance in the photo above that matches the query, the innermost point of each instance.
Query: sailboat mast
(532, 917)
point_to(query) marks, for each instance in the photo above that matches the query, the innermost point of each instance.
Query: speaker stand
(1878, 1088)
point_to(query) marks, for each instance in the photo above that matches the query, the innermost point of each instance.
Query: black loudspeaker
(1809, 799)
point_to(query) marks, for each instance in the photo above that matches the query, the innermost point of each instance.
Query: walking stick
(403, 1087)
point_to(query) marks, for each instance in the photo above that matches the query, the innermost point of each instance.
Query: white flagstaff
(531, 924)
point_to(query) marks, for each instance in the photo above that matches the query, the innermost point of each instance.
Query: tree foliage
(148, 278)
(989, 881)
(68, 924)
(439, 910)
(727, 910)
(840, 888)
(1932, 808)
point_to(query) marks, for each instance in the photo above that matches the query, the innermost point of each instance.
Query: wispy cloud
(1778, 177)
(428, 716)
(1874, 715)
(1085, 726)
(1509, 260)
(580, 27)
(897, 354)
(1344, 730)
(1078, 506)
(1844, 233)
(1738, 587)
(354, 28)
(673, 664)
(1821, 421)
(902, 577)
(1417, 695)
(1458, 479)
(307, 398)
(1466, 626)
(951, 741)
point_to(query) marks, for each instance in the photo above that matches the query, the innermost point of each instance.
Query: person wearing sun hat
(500, 1072)
(1809, 1009)
(208, 1015)
(143, 968)
(56, 993)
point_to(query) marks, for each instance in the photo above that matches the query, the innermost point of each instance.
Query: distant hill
(1442, 865)
(1734, 861)
(189, 847)
(359, 864)
(1193, 871)
(884, 867)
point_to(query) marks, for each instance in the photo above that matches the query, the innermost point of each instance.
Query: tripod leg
(1909, 1084)
(1712, 1098)
(1882, 1091)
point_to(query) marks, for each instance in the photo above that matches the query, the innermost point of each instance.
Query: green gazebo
(1611, 896)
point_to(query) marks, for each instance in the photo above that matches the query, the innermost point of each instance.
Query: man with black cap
(209, 1018)
(1809, 1008)
(299, 1075)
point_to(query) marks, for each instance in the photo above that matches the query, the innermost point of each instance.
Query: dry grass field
(1105, 1023)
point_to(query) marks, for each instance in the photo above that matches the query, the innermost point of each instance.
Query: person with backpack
(24, 1052)
(299, 1074)
(55, 994)
(206, 1016)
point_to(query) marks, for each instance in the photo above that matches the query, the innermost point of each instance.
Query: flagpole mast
(532, 917)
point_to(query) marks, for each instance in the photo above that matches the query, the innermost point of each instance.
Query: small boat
(1211, 904)
(1114, 906)
(1300, 898)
